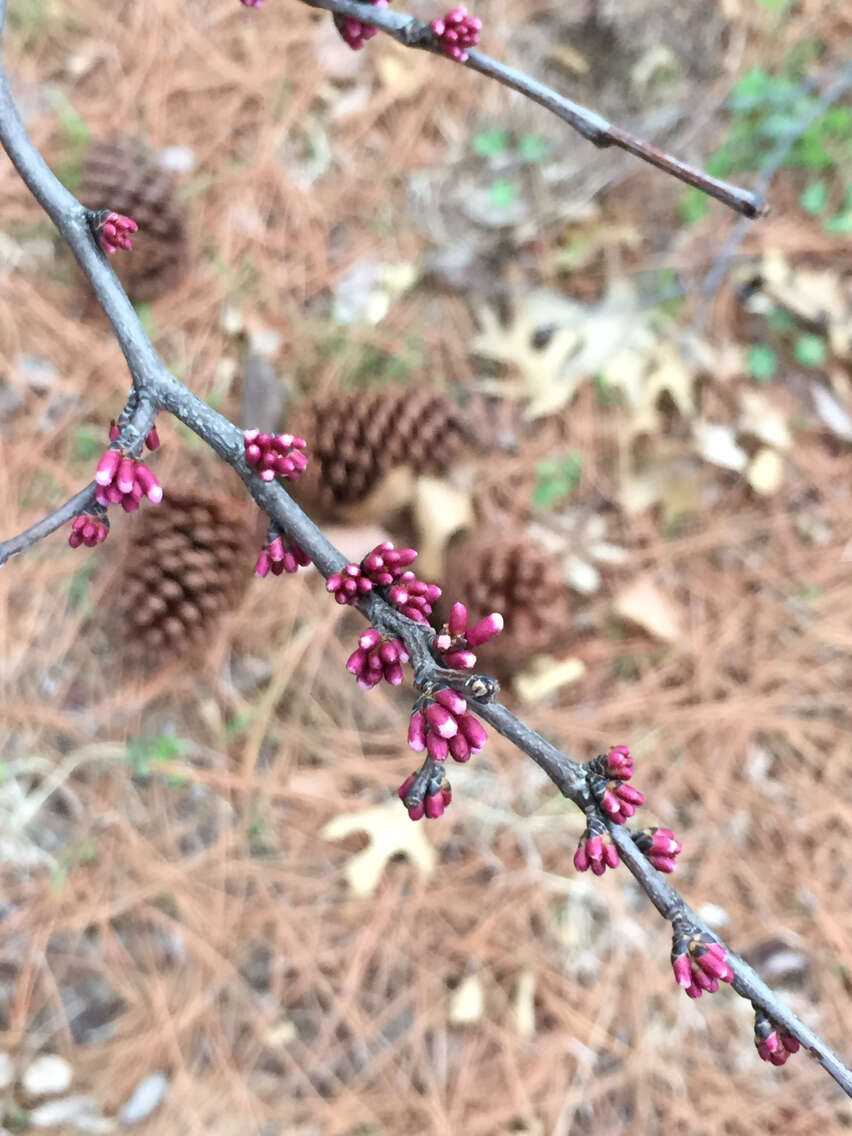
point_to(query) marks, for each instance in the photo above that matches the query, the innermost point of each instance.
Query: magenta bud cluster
(122, 480)
(596, 851)
(659, 846)
(608, 776)
(280, 555)
(457, 31)
(252, 3)
(619, 801)
(89, 530)
(349, 584)
(377, 658)
(619, 763)
(275, 455)
(114, 232)
(388, 567)
(433, 803)
(700, 964)
(456, 638)
(772, 1043)
(355, 32)
(444, 727)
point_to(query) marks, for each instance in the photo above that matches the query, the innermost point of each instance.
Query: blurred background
(595, 401)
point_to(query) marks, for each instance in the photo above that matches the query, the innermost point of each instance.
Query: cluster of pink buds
(699, 962)
(377, 658)
(152, 438)
(124, 481)
(426, 793)
(456, 638)
(114, 231)
(356, 32)
(443, 726)
(275, 455)
(89, 529)
(608, 774)
(659, 846)
(772, 1043)
(457, 31)
(388, 567)
(252, 3)
(349, 584)
(596, 849)
(619, 801)
(279, 555)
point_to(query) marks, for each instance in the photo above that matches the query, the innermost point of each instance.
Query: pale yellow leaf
(644, 603)
(400, 70)
(717, 443)
(391, 832)
(760, 419)
(544, 675)
(569, 58)
(440, 510)
(468, 1002)
(766, 471)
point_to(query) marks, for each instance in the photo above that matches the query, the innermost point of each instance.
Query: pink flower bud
(434, 805)
(150, 486)
(473, 731)
(441, 721)
(451, 700)
(457, 623)
(620, 763)
(114, 232)
(485, 629)
(417, 731)
(107, 467)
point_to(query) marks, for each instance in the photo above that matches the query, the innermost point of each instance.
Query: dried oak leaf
(391, 832)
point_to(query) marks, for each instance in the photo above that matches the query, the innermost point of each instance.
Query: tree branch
(594, 127)
(157, 388)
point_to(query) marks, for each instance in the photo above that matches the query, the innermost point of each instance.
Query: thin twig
(594, 127)
(159, 389)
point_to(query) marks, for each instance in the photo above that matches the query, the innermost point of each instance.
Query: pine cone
(122, 175)
(189, 561)
(516, 577)
(355, 440)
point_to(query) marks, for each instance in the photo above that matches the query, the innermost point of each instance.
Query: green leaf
(87, 444)
(810, 350)
(753, 85)
(762, 362)
(502, 193)
(841, 224)
(145, 752)
(533, 148)
(556, 478)
(814, 197)
(490, 143)
(693, 206)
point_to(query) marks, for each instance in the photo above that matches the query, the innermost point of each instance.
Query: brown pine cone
(356, 440)
(122, 175)
(189, 560)
(515, 576)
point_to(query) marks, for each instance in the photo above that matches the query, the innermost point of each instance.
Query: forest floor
(214, 911)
